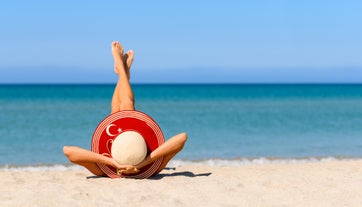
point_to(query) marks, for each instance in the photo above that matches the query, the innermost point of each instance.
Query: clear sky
(189, 41)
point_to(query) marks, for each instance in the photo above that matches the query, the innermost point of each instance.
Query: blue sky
(182, 41)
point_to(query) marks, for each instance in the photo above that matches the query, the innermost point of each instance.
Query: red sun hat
(123, 121)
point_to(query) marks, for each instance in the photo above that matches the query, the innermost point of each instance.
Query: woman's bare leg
(87, 159)
(127, 61)
(123, 98)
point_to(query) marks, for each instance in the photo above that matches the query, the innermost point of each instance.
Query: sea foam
(256, 161)
(39, 168)
(179, 162)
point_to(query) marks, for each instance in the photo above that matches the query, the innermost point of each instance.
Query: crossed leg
(123, 99)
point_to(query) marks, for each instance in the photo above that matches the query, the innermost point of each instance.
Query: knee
(182, 139)
(68, 151)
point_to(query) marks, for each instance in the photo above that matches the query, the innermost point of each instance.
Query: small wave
(38, 168)
(256, 161)
(180, 162)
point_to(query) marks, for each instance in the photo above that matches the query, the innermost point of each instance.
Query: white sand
(333, 183)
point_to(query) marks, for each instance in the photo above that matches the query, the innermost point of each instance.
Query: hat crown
(129, 148)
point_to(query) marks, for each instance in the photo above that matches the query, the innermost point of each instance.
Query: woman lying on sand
(123, 99)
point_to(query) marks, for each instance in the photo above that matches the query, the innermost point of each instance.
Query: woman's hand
(127, 169)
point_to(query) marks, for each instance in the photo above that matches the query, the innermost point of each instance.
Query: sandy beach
(331, 183)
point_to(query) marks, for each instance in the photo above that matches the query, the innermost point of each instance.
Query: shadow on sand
(163, 175)
(175, 174)
(185, 174)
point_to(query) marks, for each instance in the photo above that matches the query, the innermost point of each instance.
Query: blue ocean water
(223, 122)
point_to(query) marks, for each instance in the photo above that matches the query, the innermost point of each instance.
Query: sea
(227, 124)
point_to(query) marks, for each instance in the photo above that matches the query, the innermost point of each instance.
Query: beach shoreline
(329, 183)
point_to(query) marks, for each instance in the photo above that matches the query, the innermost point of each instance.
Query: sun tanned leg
(116, 99)
(123, 98)
(88, 159)
(127, 61)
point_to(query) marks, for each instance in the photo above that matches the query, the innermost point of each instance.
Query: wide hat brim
(122, 121)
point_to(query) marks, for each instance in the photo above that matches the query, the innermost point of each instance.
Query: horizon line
(193, 83)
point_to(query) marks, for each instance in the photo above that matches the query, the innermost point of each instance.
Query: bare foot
(117, 52)
(128, 59)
